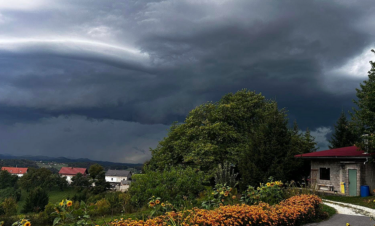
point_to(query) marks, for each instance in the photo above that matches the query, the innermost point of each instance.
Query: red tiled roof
(72, 171)
(351, 151)
(15, 170)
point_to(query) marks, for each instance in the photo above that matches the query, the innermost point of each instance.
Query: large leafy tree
(37, 178)
(97, 174)
(344, 134)
(242, 128)
(364, 115)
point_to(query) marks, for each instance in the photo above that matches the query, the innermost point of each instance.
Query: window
(324, 173)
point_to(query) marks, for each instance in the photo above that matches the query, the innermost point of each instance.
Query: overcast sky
(105, 79)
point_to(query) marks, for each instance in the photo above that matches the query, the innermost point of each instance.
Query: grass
(356, 200)
(55, 195)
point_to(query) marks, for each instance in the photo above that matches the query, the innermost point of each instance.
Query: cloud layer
(148, 63)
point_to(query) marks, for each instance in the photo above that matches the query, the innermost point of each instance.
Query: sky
(105, 79)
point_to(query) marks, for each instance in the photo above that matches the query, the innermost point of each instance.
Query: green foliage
(10, 192)
(244, 129)
(102, 207)
(170, 184)
(80, 181)
(222, 194)
(101, 185)
(95, 170)
(270, 193)
(36, 201)
(224, 174)
(7, 179)
(37, 178)
(18, 163)
(344, 134)
(59, 181)
(9, 206)
(363, 116)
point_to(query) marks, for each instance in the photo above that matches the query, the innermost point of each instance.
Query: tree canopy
(244, 129)
(344, 134)
(364, 115)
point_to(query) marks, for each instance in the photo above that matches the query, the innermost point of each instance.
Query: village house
(342, 170)
(119, 179)
(15, 170)
(70, 172)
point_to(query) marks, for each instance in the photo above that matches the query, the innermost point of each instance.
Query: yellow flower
(27, 224)
(222, 193)
(69, 203)
(152, 204)
(162, 204)
(347, 224)
(61, 203)
(268, 184)
(277, 183)
(234, 197)
(157, 202)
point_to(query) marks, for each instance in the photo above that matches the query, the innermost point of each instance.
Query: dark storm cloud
(151, 62)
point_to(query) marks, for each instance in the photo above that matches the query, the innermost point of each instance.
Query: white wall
(68, 178)
(115, 179)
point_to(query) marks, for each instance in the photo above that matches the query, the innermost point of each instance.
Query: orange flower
(157, 202)
(69, 203)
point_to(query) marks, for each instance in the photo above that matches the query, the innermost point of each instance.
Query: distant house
(332, 168)
(119, 179)
(70, 172)
(15, 170)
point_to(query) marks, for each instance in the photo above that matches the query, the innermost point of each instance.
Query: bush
(171, 184)
(10, 192)
(293, 211)
(270, 193)
(9, 206)
(36, 201)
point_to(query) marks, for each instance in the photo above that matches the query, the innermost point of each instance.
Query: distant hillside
(83, 162)
(17, 163)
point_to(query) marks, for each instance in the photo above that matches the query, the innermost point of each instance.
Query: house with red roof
(343, 170)
(70, 172)
(15, 170)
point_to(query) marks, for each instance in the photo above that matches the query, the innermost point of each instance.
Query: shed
(349, 165)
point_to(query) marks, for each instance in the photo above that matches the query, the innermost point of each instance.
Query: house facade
(119, 179)
(70, 172)
(346, 166)
(15, 170)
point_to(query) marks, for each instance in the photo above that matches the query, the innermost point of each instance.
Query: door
(313, 176)
(353, 182)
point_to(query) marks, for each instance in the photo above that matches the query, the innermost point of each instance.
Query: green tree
(244, 129)
(80, 181)
(95, 170)
(36, 201)
(59, 181)
(364, 115)
(344, 135)
(310, 141)
(36, 178)
(7, 179)
(101, 185)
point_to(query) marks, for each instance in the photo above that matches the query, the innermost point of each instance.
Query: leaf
(56, 221)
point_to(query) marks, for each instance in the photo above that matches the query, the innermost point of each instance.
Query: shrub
(36, 201)
(10, 192)
(9, 206)
(102, 207)
(270, 193)
(171, 184)
(293, 211)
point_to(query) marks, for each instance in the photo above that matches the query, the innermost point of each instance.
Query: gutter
(336, 157)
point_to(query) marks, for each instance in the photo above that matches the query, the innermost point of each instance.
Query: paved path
(348, 213)
(342, 219)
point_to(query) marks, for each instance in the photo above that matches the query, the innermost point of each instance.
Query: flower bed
(293, 211)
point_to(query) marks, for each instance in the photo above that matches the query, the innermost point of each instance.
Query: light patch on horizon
(320, 135)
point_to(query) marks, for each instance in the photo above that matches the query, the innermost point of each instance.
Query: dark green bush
(36, 201)
(171, 184)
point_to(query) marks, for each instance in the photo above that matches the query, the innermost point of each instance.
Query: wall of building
(335, 171)
(115, 179)
(68, 178)
(368, 178)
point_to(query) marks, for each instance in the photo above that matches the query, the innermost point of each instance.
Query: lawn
(55, 195)
(356, 200)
